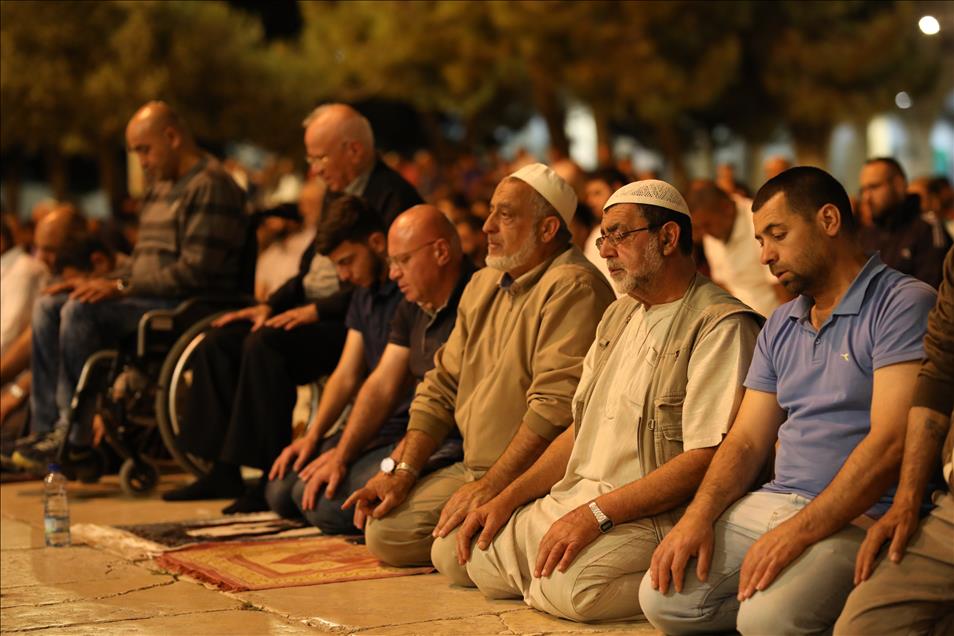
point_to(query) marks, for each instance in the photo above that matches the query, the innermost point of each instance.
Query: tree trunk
(811, 144)
(109, 180)
(673, 151)
(58, 173)
(13, 179)
(604, 138)
(436, 140)
(551, 107)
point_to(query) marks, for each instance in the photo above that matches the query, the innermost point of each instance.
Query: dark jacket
(909, 242)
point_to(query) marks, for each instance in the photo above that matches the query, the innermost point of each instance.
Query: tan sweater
(515, 356)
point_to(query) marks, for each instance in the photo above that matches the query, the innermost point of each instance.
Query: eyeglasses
(615, 238)
(401, 260)
(312, 161)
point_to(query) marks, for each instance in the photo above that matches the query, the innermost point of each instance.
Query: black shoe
(222, 483)
(252, 500)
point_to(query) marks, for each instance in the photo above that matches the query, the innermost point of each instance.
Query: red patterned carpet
(262, 565)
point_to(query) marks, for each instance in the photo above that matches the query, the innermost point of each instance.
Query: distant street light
(929, 25)
(902, 100)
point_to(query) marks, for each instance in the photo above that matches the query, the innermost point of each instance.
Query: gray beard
(515, 260)
(652, 265)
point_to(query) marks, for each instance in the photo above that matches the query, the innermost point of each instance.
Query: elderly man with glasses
(661, 383)
(505, 377)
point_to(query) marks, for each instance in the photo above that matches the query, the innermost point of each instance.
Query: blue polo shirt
(823, 379)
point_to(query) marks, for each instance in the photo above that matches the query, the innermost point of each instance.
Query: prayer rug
(263, 565)
(144, 541)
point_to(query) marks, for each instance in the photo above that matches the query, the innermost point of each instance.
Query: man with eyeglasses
(908, 241)
(339, 147)
(661, 383)
(504, 378)
(428, 266)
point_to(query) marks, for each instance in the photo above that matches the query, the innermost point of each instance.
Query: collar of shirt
(181, 183)
(467, 270)
(851, 302)
(359, 184)
(519, 285)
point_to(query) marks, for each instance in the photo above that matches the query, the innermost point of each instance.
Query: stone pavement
(81, 590)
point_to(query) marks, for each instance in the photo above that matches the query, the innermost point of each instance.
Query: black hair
(609, 176)
(78, 249)
(806, 190)
(657, 216)
(892, 163)
(346, 218)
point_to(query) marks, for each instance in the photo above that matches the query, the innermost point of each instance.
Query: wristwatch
(122, 285)
(16, 390)
(605, 523)
(389, 466)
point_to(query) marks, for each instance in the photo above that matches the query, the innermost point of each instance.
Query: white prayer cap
(649, 192)
(551, 187)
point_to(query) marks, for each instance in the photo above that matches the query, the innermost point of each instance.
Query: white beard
(652, 265)
(517, 259)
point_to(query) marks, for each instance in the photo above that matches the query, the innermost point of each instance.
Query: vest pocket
(667, 432)
(669, 416)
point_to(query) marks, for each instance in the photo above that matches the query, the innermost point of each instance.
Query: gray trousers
(806, 598)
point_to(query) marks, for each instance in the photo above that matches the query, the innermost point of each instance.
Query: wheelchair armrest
(179, 318)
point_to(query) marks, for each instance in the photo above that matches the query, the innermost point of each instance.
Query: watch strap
(604, 522)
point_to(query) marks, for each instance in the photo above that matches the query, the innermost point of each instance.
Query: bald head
(425, 255)
(339, 143)
(53, 230)
(161, 142)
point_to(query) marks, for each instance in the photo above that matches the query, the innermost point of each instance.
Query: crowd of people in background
(589, 390)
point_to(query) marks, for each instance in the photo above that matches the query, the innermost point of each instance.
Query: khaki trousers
(915, 596)
(403, 537)
(601, 584)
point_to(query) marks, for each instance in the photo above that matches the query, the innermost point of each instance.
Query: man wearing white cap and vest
(505, 377)
(660, 385)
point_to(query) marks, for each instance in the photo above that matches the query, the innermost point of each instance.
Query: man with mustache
(660, 386)
(505, 377)
(831, 382)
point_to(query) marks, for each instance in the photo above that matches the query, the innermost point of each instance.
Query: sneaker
(36, 457)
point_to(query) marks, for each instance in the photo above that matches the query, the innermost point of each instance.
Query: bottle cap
(53, 467)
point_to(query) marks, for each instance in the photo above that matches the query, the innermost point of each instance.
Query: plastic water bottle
(56, 510)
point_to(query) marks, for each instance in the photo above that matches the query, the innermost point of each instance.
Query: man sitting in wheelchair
(192, 234)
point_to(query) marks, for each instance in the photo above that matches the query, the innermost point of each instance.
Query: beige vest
(703, 306)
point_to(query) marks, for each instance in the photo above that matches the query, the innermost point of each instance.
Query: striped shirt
(192, 236)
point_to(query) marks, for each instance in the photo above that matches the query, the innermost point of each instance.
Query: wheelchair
(137, 392)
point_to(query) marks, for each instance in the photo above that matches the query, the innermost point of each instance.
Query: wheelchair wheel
(172, 392)
(138, 479)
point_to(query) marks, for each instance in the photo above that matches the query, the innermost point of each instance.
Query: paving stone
(377, 603)
(67, 592)
(530, 621)
(472, 626)
(18, 535)
(54, 566)
(231, 622)
(177, 598)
